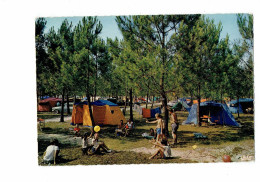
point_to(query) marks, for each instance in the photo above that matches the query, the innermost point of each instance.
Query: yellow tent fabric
(86, 116)
(117, 115)
(80, 115)
(108, 115)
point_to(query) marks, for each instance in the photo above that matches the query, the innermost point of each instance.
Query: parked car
(57, 109)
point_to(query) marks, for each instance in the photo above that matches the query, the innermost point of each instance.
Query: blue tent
(217, 111)
(186, 100)
(233, 108)
(81, 103)
(244, 103)
(178, 106)
(154, 111)
(103, 102)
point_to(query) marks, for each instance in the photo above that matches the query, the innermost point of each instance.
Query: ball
(97, 128)
(226, 158)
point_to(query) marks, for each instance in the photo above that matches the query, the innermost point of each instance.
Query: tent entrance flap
(80, 115)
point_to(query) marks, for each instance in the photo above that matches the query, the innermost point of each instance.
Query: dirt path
(237, 152)
(57, 119)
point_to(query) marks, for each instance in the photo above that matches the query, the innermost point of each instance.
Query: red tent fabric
(146, 113)
(47, 104)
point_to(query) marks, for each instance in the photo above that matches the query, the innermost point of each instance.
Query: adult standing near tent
(159, 127)
(174, 124)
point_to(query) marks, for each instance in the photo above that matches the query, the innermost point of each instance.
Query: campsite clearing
(221, 140)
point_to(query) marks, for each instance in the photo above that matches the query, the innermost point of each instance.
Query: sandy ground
(205, 155)
(57, 119)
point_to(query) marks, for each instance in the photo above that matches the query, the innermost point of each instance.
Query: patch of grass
(73, 156)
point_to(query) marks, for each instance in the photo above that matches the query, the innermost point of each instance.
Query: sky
(111, 30)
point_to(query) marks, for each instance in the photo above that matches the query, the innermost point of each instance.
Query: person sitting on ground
(86, 143)
(128, 127)
(149, 135)
(160, 126)
(52, 152)
(120, 128)
(164, 149)
(152, 133)
(174, 124)
(98, 144)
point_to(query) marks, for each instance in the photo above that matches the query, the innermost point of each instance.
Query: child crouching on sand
(164, 150)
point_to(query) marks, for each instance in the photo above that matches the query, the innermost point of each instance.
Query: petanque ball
(226, 158)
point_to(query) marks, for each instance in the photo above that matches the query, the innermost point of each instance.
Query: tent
(243, 105)
(186, 100)
(104, 113)
(154, 111)
(219, 113)
(80, 114)
(178, 106)
(150, 113)
(233, 108)
(107, 113)
(47, 104)
(146, 113)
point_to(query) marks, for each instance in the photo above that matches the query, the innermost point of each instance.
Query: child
(164, 150)
(128, 127)
(76, 130)
(160, 126)
(98, 144)
(120, 128)
(51, 153)
(152, 133)
(85, 143)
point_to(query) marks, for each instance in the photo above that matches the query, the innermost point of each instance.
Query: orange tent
(201, 100)
(104, 112)
(108, 115)
(80, 115)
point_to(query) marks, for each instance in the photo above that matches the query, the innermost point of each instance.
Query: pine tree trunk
(152, 101)
(68, 104)
(74, 98)
(88, 97)
(166, 114)
(237, 106)
(131, 104)
(147, 99)
(90, 112)
(125, 98)
(62, 107)
(198, 108)
(95, 92)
